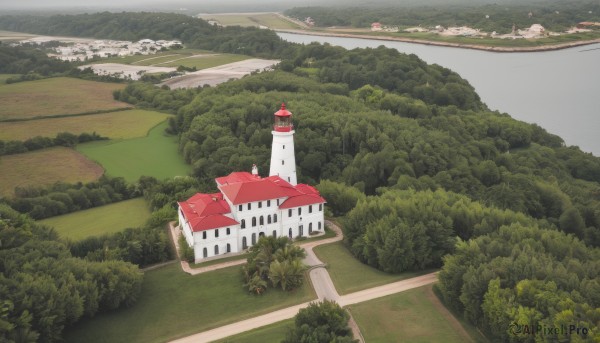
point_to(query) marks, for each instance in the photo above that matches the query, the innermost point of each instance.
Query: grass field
(45, 167)
(270, 20)
(174, 304)
(412, 316)
(100, 220)
(154, 155)
(266, 334)
(203, 62)
(115, 125)
(146, 60)
(350, 275)
(56, 96)
(10, 35)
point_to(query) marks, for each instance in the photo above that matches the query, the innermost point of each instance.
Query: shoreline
(549, 47)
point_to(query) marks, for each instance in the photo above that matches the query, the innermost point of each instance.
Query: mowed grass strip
(45, 167)
(56, 96)
(116, 125)
(154, 155)
(410, 316)
(173, 304)
(270, 333)
(350, 275)
(100, 220)
(203, 62)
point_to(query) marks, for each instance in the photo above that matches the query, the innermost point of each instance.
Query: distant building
(376, 27)
(309, 21)
(249, 206)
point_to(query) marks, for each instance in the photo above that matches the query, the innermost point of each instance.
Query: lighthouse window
(284, 147)
(282, 162)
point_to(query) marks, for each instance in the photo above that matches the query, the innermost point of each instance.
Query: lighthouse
(283, 161)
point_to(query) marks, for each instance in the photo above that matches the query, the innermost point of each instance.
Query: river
(558, 90)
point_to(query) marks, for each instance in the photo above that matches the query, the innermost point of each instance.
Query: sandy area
(216, 75)
(127, 70)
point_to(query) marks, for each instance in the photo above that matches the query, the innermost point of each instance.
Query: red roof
(302, 200)
(257, 189)
(236, 177)
(213, 221)
(205, 211)
(283, 112)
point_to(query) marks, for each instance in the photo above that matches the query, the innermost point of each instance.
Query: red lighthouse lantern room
(283, 120)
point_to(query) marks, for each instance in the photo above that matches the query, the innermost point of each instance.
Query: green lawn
(344, 270)
(57, 96)
(266, 334)
(100, 220)
(203, 62)
(411, 316)
(154, 155)
(121, 124)
(174, 304)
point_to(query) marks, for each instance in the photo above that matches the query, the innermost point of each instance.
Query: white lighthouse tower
(283, 161)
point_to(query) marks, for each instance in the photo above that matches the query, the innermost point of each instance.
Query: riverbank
(549, 47)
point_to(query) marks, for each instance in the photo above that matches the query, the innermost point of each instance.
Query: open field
(270, 333)
(174, 304)
(100, 220)
(412, 316)
(152, 59)
(154, 155)
(45, 167)
(206, 61)
(10, 35)
(270, 20)
(56, 96)
(115, 125)
(350, 275)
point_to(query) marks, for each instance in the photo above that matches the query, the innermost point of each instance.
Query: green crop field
(203, 62)
(45, 167)
(174, 304)
(100, 220)
(56, 96)
(344, 268)
(116, 125)
(154, 155)
(415, 315)
(270, 333)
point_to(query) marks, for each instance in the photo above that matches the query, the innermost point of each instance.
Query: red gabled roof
(213, 221)
(302, 200)
(236, 177)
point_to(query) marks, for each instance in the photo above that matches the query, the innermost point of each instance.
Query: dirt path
(444, 312)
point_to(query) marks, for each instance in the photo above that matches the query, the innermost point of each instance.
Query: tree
(322, 322)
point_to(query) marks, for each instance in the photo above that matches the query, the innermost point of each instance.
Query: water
(558, 90)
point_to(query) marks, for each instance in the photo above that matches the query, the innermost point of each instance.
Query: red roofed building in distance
(249, 206)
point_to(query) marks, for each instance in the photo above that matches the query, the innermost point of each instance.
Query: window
(290, 233)
(228, 247)
(320, 207)
(309, 228)
(228, 232)
(243, 223)
(309, 208)
(268, 203)
(262, 220)
(275, 218)
(277, 202)
(269, 219)
(240, 207)
(249, 206)
(288, 179)
(253, 222)
(260, 204)
(284, 147)
(319, 226)
(274, 234)
(299, 211)
(205, 252)
(253, 238)
(290, 212)
(203, 234)
(282, 162)
(216, 250)
(244, 243)
(217, 233)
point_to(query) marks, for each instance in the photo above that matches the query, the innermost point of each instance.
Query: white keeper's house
(249, 206)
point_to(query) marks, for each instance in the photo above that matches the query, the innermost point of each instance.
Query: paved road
(323, 286)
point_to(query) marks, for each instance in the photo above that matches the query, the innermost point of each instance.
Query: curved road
(323, 287)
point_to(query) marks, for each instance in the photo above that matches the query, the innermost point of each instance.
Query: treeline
(525, 275)
(61, 198)
(31, 61)
(554, 16)
(43, 288)
(66, 139)
(193, 32)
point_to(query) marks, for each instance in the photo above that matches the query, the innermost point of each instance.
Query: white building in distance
(249, 206)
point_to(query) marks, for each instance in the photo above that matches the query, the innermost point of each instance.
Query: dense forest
(554, 16)
(422, 173)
